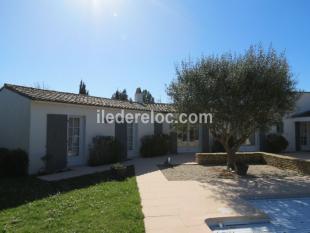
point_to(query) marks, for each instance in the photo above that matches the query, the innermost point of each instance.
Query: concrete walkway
(74, 172)
(182, 206)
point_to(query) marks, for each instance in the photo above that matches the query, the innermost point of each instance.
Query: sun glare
(98, 6)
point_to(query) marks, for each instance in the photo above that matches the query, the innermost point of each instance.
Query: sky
(117, 44)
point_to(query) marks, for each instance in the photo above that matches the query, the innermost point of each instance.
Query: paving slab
(181, 206)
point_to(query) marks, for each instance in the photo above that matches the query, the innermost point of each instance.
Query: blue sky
(114, 44)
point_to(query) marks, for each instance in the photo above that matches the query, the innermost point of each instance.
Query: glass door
(131, 140)
(188, 138)
(73, 136)
(75, 140)
(305, 136)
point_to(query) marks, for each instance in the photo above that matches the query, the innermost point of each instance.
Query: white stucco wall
(14, 120)
(38, 128)
(302, 105)
(40, 110)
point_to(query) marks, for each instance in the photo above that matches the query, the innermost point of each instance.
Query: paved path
(75, 172)
(180, 206)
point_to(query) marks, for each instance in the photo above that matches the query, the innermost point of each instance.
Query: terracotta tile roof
(71, 98)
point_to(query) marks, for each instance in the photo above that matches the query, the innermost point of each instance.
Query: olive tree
(244, 93)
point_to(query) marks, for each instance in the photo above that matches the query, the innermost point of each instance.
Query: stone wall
(279, 161)
(221, 158)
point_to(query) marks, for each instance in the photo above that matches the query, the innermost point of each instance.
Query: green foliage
(276, 143)
(147, 97)
(243, 92)
(120, 95)
(91, 203)
(155, 145)
(118, 166)
(119, 171)
(104, 150)
(13, 163)
(82, 89)
(217, 147)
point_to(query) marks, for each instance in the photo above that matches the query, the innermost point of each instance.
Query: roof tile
(71, 98)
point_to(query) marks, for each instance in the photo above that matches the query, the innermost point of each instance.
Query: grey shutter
(205, 147)
(121, 136)
(297, 136)
(262, 140)
(56, 142)
(158, 128)
(173, 143)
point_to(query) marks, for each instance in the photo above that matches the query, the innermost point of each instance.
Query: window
(73, 136)
(279, 127)
(304, 130)
(188, 135)
(250, 141)
(193, 133)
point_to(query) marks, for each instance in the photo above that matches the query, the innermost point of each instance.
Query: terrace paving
(183, 206)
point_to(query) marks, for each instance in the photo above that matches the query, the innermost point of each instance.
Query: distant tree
(147, 97)
(42, 86)
(83, 90)
(120, 95)
(244, 93)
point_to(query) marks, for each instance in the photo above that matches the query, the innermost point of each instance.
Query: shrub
(155, 145)
(104, 150)
(119, 171)
(13, 163)
(276, 143)
(217, 147)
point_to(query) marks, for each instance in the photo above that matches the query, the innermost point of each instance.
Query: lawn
(92, 203)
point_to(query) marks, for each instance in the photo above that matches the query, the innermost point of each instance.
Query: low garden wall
(252, 158)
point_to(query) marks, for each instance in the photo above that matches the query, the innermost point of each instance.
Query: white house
(44, 122)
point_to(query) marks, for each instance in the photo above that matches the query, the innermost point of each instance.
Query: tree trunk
(231, 160)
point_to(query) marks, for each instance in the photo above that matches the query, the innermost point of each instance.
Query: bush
(13, 163)
(119, 171)
(217, 147)
(104, 150)
(276, 143)
(155, 145)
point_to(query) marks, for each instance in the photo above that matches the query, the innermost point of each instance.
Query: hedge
(13, 163)
(104, 150)
(156, 145)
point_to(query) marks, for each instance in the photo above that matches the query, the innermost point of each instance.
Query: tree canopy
(82, 89)
(120, 95)
(244, 93)
(147, 97)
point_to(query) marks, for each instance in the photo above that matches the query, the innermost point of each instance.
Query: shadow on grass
(18, 191)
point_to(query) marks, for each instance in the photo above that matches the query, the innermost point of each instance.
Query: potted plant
(119, 170)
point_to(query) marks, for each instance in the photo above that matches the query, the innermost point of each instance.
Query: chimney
(139, 96)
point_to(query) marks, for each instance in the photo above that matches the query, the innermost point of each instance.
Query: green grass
(92, 203)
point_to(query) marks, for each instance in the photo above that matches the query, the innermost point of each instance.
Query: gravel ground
(205, 173)
(262, 180)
